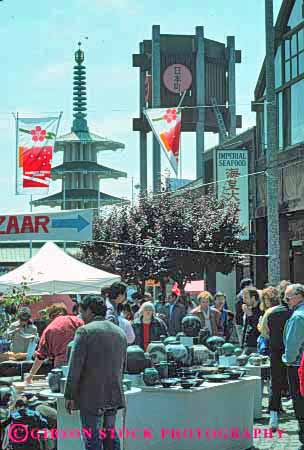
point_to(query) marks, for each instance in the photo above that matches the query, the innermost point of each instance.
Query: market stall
(52, 271)
(177, 418)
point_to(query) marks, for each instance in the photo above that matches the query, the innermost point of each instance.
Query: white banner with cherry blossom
(166, 125)
(35, 146)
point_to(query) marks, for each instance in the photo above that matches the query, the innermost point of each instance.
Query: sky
(38, 41)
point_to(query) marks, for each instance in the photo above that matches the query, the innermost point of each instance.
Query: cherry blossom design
(38, 134)
(170, 115)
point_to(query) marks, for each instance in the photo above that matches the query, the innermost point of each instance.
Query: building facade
(289, 81)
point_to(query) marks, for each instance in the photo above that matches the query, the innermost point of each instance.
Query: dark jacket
(174, 323)
(157, 329)
(276, 323)
(96, 367)
(239, 314)
(251, 332)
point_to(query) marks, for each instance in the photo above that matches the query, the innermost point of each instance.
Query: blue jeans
(95, 423)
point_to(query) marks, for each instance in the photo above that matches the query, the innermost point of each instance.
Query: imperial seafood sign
(232, 178)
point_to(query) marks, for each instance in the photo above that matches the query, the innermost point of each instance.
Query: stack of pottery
(157, 352)
(191, 325)
(137, 360)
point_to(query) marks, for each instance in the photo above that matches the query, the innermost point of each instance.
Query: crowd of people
(268, 321)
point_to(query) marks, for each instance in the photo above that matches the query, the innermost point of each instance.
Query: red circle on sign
(177, 78)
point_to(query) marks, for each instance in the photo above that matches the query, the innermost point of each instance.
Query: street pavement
(288, 424)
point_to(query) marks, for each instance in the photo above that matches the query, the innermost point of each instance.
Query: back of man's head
(95, 303)
(246, 282)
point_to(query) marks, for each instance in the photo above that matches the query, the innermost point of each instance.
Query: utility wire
(178, 249)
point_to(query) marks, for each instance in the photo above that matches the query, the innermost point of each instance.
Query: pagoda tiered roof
(86, 167)
(79, 195)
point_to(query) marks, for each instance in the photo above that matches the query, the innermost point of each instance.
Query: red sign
(177, 78)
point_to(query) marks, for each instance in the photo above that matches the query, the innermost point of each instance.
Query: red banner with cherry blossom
(35, 146)
(166, 125)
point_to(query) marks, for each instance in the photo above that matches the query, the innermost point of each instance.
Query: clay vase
(238, 351)
(169, 340)
(255, 360)
(191, 325)
(214, 342)
(162, 369)
(136, 360)
(228, 349)
(178, 352)
(179, 335)
(157, 352)
(242, 360)
(201, 355)
(54, 378)
(204, 334)
(151, 377)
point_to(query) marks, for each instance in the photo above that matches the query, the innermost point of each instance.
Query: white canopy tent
(52, 271)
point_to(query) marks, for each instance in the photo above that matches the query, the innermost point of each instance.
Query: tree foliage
(186, 222)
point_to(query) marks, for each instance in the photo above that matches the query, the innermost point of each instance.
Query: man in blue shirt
(294, 347)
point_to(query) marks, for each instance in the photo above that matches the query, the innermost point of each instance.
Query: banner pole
(31, 242)
(17, 153)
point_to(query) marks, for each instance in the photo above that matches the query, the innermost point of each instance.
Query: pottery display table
(158, 418)
(256, 371)
(179, 419)
(70, 423)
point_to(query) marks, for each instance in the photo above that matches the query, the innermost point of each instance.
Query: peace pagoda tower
(80, 172)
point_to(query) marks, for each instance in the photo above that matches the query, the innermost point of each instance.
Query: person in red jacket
(55, 338)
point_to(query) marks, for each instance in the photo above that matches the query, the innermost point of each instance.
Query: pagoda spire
(79, 94)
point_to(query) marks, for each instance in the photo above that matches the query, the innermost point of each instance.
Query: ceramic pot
(191, 325)
(204, 334)
(54, 378)
(178, 352)
(151, 377)
(255, 360)
(200, 355)
(172, 366)
(214, 342)
(162, 369)
(242, 360)
(157, 352)
(136, 360)
(179, 335)
(238, 351)
(169, 340)
(228, 349)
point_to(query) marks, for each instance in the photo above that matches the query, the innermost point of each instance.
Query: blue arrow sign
(80, 223)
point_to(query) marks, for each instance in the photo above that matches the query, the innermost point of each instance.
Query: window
(278, 68)
(280, 127)
(297, 112)
(265, 128)
(286, 117)
(294, 56)
(296, 16)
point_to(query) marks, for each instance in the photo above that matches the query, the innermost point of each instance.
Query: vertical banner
(232, 166)
(166, 125)
(35, 146)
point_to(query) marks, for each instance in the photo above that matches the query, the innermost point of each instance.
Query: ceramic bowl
(187, 384)
(168, 382)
